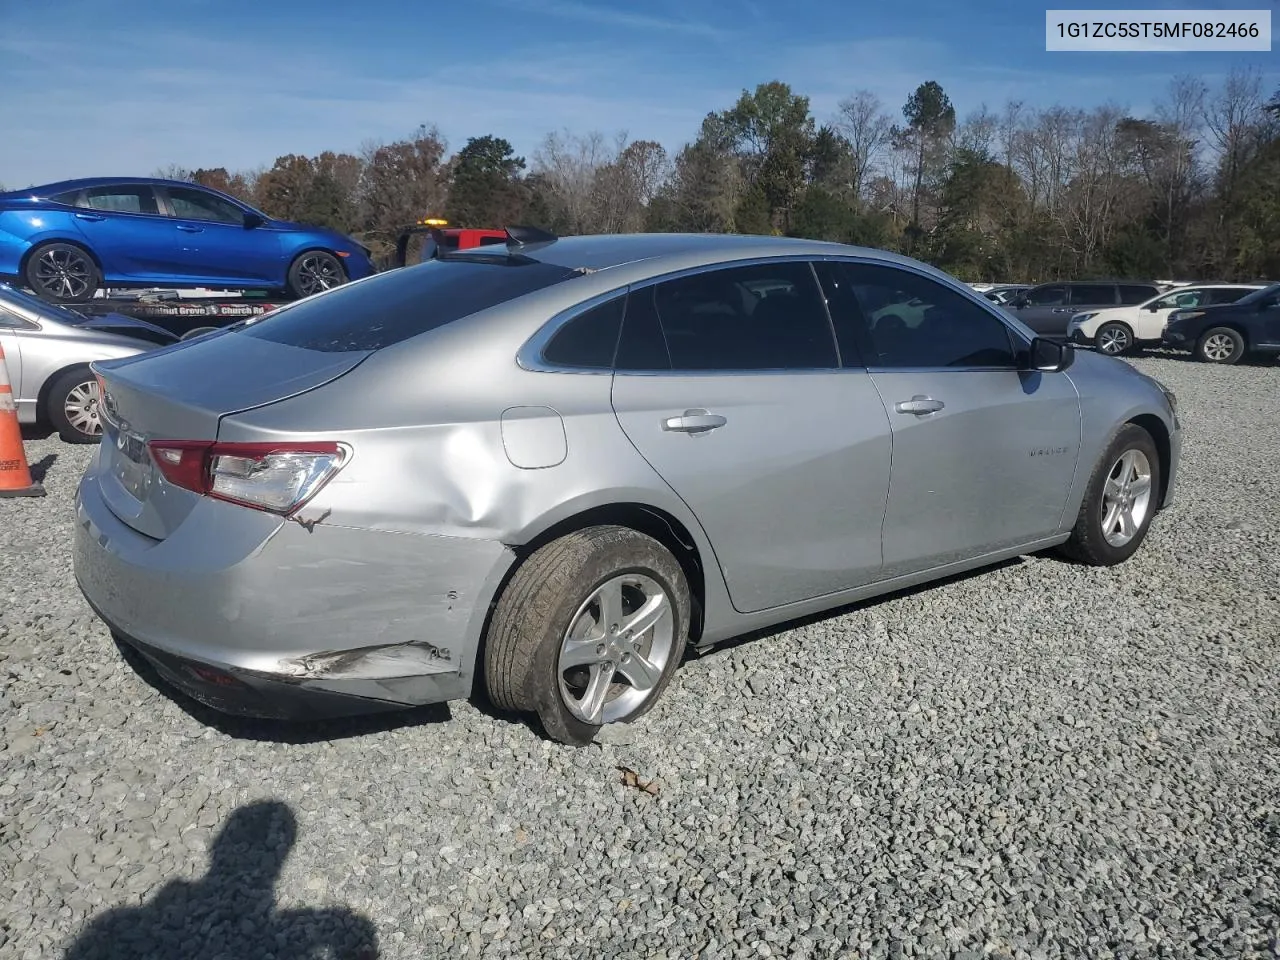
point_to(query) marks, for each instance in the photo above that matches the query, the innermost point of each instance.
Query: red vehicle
(445, 239)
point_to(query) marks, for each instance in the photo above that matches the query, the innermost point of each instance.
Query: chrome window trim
(529, 356)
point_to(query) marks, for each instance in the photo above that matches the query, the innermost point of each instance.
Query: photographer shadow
(230, 912)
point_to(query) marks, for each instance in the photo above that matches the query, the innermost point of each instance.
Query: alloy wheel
(616, 649)
(1126, 498)
(1113, 341)
(64, 273)
(318, 272)
(1218, 347)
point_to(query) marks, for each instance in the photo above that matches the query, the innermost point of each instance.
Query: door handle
(89, 216)
(696, 422)
(185, 229)
(920, 405)
(1065, 310)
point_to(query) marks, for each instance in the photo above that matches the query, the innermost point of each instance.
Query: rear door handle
(190, 229)
(919, 405)
(1065, 310)
(89, 216)
(695, 422)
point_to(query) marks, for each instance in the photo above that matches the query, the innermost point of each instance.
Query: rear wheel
(1121, 499)
(314, 272)
(1221, 345)
(1114, 339)
(62, 273)
(589, 631)
(72, 407)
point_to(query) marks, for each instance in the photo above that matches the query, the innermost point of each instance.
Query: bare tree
(567, 165)
(867, 127)
(1234, 118)
(979, 132)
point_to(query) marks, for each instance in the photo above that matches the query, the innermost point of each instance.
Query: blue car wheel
(313, 272)
(62, 273)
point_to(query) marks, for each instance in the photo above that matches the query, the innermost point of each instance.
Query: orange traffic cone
(15, 474)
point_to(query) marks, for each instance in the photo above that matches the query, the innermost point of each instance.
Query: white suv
(1119, 330)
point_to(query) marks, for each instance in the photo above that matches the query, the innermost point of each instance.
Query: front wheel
(589, 631)
(73, 407)
(1121, 499)
(62, 273)
(1114, 339)
(1221, 345)
(314, 272)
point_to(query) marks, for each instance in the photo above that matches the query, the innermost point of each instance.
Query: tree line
(1189, 190)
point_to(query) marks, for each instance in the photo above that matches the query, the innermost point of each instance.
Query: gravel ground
(1041, 760)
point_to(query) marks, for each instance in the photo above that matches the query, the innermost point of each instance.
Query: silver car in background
(540, 471)
(48, 349)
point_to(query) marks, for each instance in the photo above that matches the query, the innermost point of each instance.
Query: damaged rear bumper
(256, 616)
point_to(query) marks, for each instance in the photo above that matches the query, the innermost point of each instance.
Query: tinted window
(391, 307)
(589, 339)
(10, 321)
(917, 322)
(69, 198)
(845, 310)
(1131, 293)
(1226, 295)
(642, 346)
(124, 199)
(761, 317)
(198, 205)
(1086, 294)
(1054, 296)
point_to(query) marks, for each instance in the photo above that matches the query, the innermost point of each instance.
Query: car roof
(661, 250)
(63, 186)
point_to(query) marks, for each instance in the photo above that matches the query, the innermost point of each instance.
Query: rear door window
(125, 198)
(1133, 293)
(760, 317)
(1094, 294)
(403, 303)
(589, 339)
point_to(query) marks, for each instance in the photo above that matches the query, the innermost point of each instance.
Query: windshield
(42, 308)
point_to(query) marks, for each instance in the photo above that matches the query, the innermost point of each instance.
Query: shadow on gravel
(40, 469)
(231, 911)
(282, 731)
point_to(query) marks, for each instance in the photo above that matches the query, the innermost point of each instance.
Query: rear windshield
(402, 303)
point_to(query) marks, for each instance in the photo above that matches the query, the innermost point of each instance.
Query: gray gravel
(1042, 760)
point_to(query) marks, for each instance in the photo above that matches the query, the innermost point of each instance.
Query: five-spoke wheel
(589, 631)
(1121, 499)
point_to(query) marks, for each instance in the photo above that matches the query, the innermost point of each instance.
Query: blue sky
(125, 87)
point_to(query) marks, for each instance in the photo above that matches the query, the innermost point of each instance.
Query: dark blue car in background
(66, 240)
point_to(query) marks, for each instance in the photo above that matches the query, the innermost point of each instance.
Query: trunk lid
(182, 392)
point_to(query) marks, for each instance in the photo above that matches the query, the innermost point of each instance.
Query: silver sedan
(543, 470)
(48, 349)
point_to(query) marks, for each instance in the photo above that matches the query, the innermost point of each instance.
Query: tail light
(276, 477)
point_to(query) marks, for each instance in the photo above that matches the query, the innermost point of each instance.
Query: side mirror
(252, 221)
(1050, 356)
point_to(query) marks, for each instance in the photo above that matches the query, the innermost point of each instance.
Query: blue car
(66, 240)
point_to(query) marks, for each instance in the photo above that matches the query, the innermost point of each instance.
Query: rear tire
(62, 273)
(1221, 345)
(314, 272)
(561, 643)
(1125, 484)
(72, 407)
